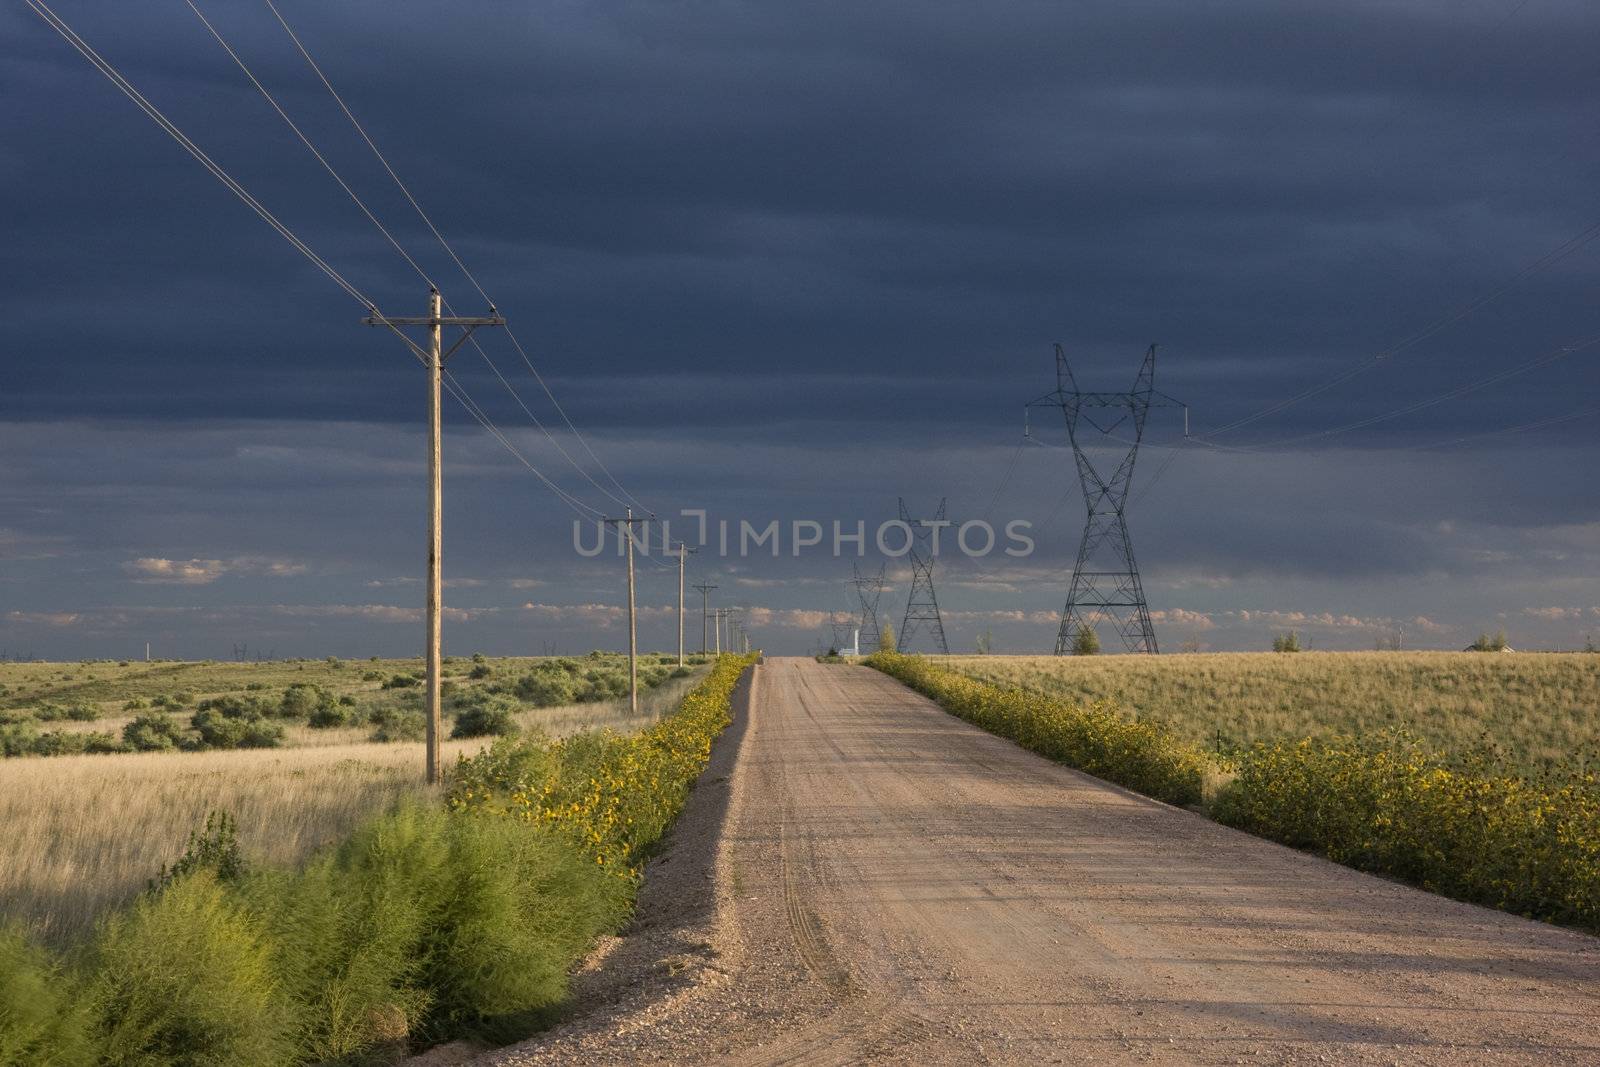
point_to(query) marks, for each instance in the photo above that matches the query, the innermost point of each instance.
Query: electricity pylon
(922, 605)
(841, 624)
(1105, 579)
(869, 591)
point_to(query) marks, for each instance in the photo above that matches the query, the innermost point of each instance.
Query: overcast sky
(794, 261)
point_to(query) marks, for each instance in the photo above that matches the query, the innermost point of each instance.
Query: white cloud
(156, 570)
(43, 618)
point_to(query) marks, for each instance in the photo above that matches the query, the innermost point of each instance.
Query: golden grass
(85, 833)
(1536, 707)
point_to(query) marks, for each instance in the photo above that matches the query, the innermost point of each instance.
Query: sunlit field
(1536, 707)
(86, 832)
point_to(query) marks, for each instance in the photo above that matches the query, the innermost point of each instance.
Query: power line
(449, 249)
(1452, 394)
(155, 114)
(393, 241)
(248, 73)
(1537, 424)
(1550, 258)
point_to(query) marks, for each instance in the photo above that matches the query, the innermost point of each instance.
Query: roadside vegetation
(421, 923)
(1478, 823)
(1144, 756)
(85, 832)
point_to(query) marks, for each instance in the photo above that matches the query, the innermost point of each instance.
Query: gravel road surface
(861, 878)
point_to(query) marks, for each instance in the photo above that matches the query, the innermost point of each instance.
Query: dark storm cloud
(813, 254)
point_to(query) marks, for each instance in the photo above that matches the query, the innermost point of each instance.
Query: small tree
(886, 639)
(1485, 643)
(1286, 642)
(986, 642)
(1086, 642)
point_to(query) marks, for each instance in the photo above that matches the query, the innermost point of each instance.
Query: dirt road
(863, 878)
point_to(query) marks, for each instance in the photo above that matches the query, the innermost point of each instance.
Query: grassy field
(85, 832)
(1537, 708)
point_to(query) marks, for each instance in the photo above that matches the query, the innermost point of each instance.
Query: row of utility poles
(682, 551)
(433, 356)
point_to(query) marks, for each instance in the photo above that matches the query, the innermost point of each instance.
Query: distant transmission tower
(840, 623)
(922, 606)
(1105, 580)
(869, 591)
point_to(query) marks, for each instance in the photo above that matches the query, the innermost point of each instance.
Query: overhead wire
(312, 148)
(1550, 258)
(449, 249)
(216, 170)
(1462, 390)
(395, 243)
(1449, 318)
(126, 87)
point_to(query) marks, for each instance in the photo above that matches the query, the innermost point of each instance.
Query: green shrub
(18, 739)
(217, 728)
(42, 1023)
(82, 712)
(402, 681)
(136, 704)
(519, 907)
(482, 670)
(58, 743)
(301, 701)
(681, 672)
(48, 712)
(328, 716)
(186, 976)
(1144, 756)
(489, 715)
(349, 932)
(152, 731)
(399, 724)
(99, 742)
(547, 689)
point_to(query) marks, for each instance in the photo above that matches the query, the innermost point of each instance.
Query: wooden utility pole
(433, 358)
(626, 526)
(705, 614)
(683, 555)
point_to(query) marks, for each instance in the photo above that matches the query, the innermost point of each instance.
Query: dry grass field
(1538, 708)
(86, 832)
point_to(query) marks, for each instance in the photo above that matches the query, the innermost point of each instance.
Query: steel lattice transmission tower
(869, 591)
(922, 605)
(1105, 579)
